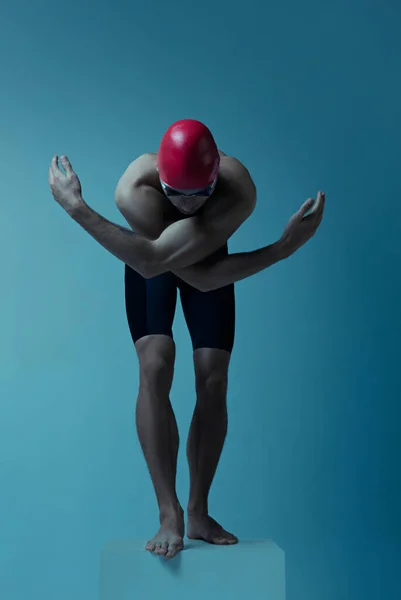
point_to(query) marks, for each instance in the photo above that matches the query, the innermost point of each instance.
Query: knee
(156, 367)
(211, 385)
(157, 370)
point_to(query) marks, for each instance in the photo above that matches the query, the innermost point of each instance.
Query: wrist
(279, 251)
(77, 209)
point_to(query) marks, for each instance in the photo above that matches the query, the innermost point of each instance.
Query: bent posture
(182, 203)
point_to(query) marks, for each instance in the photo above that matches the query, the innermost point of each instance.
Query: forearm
(134, 250)
(207, 276)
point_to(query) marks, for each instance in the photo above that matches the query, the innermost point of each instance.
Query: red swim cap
(188, 157)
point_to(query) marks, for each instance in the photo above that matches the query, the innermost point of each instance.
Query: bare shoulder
(141, 171)
(139, 198)
(236, 172)
(235, 195)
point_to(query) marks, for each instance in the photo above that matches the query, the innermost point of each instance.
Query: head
(188, 164)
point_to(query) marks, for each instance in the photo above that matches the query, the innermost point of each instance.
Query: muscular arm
(187, 241)
(181, 244)
(215, 273)
(139, 252)
(212, 274)
(175, 249)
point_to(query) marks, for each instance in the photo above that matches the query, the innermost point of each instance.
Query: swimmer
(182, 204)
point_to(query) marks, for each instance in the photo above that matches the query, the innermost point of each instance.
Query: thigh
(210, 316)
(150, 304)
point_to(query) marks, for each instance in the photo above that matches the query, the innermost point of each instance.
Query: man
(183, 203)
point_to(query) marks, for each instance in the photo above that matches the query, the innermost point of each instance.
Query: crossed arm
(181, 244)
(211, 272)
(181, 248)
(184, 244)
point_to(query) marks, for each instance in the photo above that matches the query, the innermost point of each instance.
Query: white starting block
(249, 570)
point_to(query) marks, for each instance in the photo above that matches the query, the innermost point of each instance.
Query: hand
(302, 226)
(66, 188)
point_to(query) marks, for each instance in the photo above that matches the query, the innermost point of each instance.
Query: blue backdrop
(307, 95)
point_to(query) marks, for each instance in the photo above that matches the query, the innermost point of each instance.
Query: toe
(219, 541)
(225, 538)
(232, 540)
(173, 549)
(164, 549)
(157, 548)
(150, 546)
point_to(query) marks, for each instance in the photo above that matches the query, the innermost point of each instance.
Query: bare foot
(169, 539)
(203, 527)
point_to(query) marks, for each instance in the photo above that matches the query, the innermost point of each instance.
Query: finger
(54, 168)
(66, 164)
(318, 214)
(323, 203)
(321, 208)
(306, 206)
(317, 203)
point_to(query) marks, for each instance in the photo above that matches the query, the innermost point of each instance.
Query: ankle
(170, 512)
(197, 509)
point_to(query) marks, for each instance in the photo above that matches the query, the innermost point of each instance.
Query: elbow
(143, 272)
(196, 278)
(205, 282)
(147, 261)
(208, 284)
(193, 279)
(143, 268)
(148, 271)
(151, 268)
(201, 287)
